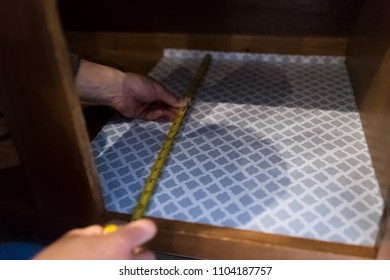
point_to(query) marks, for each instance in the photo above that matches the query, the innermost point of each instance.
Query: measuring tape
(166, 147)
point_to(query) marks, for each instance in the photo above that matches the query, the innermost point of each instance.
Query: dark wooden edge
(383, 243)
(368, 64)
(281, 17)
(148, 42)
(212, 242)
(44, 117)
(139, 52)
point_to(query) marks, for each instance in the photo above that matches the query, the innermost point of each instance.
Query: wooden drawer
(62, 186)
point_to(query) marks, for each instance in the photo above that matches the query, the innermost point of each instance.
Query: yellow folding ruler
(166, 147)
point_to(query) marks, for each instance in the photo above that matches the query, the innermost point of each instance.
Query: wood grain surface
(44, 115)
(255, 17)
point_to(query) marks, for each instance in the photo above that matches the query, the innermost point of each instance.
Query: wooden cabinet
(56, 188)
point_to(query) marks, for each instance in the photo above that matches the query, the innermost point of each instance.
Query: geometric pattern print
(270, 143)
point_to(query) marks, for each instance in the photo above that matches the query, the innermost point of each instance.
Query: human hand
(133, 95)
(91, 244)
(144, 97)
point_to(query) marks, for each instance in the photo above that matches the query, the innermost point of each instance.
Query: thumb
(138, 232)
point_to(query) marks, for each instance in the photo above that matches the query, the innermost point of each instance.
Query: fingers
(127, 241)
(166, 96)
(141, 95)
(156, 111)
(151, 115)
(170, 99)
(138, 232)
(142, 254)
(168, 115)
(88, 231)
(160, 114)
